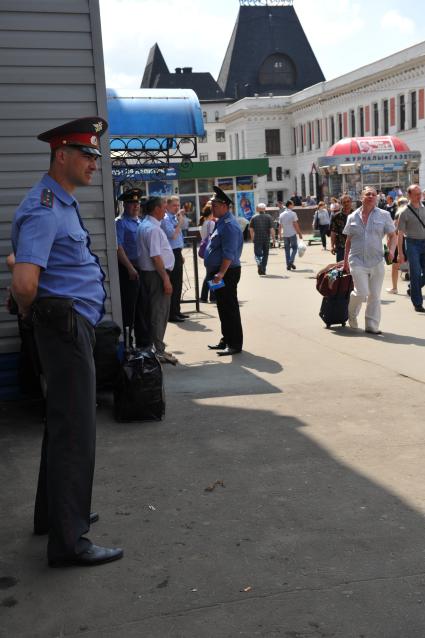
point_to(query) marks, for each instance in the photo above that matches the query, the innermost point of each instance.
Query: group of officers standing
(150, 260)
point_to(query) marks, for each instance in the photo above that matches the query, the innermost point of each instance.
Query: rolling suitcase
(139, 393)
(334, 309)
(335, 285)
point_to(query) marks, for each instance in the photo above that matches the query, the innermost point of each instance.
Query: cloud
(401, 24)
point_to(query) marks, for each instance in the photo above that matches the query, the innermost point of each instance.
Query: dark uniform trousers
(176, 278)
(228, 309)
(134, 311)
(68, 451)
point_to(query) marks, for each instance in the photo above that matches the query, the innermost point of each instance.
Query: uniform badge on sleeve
(46, 198)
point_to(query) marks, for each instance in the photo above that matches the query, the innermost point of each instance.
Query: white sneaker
(392, 291)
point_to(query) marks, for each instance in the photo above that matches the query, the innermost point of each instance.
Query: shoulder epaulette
(46, 198)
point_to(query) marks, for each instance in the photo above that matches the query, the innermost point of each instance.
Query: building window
(272, 141)
(332, 119)
(220, 136)
(203, 139)
(237, 155)
(361, 121)
(216, 116)
(270, 174)
(294, 141)
(278, 173)
(318, 136)
(301, 139)
(401, 112)
(311, 184)
(303, 193)
(375, 118)
(413, 111)
(352, 123)
(205, 116)
(221, 156)
(277, 70)
(386, 120)
(203, 157)
(309, 136)
(340, 135)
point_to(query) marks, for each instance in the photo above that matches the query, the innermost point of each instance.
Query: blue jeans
(291, 245)
(261, 252)
(415, 249)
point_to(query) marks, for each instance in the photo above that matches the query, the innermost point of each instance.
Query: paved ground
(318, 528)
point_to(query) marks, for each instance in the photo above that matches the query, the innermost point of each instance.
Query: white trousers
(367, 288)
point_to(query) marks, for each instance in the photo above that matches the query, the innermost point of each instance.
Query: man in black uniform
(57, 283)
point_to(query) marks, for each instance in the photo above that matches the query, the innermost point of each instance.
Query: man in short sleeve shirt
(222, 261)
(58, 286)
(261, 231)
(365, 229)
(411, 225)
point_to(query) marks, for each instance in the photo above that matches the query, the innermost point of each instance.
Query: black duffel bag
(106, 360)
(139, 393)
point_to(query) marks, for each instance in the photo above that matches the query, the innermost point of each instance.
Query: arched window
(302, 185)
(277, 70)
(311, 184)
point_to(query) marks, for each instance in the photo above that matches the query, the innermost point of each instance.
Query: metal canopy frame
(153, 151)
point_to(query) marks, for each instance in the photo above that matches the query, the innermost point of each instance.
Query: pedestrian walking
(364, 258)
(289, 229)
(411, 225)
(261, 231)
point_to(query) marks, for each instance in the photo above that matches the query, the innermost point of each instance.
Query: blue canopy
(159, 113)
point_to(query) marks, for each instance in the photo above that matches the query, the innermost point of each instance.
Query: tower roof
(155, 65)
(268, 52)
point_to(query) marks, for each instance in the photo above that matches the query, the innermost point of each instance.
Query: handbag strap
(416, 215)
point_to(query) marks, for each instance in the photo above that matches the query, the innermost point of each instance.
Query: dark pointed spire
(268, 52)
(155, 65)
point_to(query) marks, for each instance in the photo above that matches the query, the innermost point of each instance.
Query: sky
(344, 34)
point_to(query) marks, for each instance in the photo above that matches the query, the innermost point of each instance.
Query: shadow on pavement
(235, 522)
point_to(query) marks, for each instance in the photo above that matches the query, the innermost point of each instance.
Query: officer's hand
(10, 261)
(168, 288)
(218, 277)
(133, 274)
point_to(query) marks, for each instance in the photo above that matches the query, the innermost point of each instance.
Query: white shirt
(152, 242)
(366, 240)
(286, 220)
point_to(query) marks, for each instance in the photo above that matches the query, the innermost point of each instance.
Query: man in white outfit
(364, 258)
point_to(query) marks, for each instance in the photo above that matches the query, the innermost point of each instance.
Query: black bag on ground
(107, 363)
(334, 309)
(139, 394)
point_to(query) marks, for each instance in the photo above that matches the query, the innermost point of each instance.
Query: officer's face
(132, 209)
(219, 208)
(79, 167)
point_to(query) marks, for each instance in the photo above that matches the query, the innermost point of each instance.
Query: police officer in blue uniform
(57, 283)
(130, 282)
(222, 261)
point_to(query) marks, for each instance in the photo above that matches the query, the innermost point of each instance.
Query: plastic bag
(301, 248)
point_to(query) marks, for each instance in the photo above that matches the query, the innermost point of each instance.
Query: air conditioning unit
(287, 173)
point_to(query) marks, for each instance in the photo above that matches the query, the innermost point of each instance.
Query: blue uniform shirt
(168, 225)
(226, 242)
(126, 229)
(47, 231)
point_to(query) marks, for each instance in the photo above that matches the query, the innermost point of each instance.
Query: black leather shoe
(182, 316)
(95, 555)
(419, 309)
(94, 517)
(175, 320)
(293, 266)
(220, 346)
(228, 351)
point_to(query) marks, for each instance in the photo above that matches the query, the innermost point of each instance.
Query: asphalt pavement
(283, 494)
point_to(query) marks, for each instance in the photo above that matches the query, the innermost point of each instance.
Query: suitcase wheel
(343, 324)
(328, 325)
